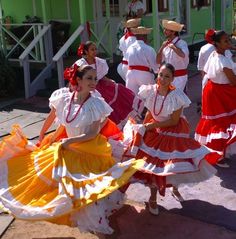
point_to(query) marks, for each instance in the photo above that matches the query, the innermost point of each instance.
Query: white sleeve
(184, 47)
(201, 61)
(151, 57)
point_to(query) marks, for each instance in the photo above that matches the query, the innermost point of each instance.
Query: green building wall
(57, 9)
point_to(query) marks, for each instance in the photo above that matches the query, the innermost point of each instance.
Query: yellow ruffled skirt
(52, 183)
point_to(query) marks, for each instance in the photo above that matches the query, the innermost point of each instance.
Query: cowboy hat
(141, 30)
(172, 25)
(134, 22)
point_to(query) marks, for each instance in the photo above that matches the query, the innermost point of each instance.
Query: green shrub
(7, 77)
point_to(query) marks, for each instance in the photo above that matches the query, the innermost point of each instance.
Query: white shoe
(222, 165)
(175, 193)
(153, 211)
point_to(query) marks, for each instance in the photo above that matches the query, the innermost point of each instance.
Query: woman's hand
(149, 126)
(66, 143)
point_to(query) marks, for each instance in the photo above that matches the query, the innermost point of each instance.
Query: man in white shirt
(174, 51)
(141, 61)
(126, 40)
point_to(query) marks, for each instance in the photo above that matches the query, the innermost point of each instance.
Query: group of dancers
(110, 135)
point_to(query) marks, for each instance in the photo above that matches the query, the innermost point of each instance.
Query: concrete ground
(208, 210)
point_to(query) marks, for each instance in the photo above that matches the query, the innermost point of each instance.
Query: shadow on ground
(207, 212)
(136, 222)
(228, 175)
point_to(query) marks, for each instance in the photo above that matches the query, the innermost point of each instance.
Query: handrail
(68, 43)
(23, 24)
(38, 83)
(27, 51)
(58, 57)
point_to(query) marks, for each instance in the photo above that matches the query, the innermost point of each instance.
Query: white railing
(12, 43)
(45, 37)
(99, 39)
(58, 58)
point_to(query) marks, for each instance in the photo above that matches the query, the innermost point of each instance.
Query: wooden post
(44, 11)
(26, 76)
(82, 11)
(156, 26)
(109, 28)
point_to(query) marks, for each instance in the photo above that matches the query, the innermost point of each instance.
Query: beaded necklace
(162, 104)
(70, 105)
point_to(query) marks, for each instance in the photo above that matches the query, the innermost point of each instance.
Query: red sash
(139, 68)
(180, 72)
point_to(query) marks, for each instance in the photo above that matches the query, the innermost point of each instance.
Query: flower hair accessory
(80, 50)
(209, 34)
(70, 74)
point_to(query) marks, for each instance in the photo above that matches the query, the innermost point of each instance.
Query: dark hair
(82, 70)
(176, 34)
(169, 67)
(217, 36)
(87, 45)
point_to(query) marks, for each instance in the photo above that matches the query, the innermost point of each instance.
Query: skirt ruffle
(53, 183)
(217, 126)
(169, 154)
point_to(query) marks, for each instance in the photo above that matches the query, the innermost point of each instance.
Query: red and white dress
(217, 126)
(122, 100)
(172, 157)
(203, 56)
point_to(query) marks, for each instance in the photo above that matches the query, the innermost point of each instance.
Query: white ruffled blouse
(174, 101)
(94, 109)
(101, 66)
(215, 65)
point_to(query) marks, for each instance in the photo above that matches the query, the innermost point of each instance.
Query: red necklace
(76, 114)
(162, 104)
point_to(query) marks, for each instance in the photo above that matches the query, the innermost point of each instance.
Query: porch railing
(15, 38)
(99, 39)
(31, 86)
(58, 58)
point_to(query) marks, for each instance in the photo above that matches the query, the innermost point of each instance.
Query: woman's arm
(47, 123)
(174, 120)
(230, 75)
(94, 129)
(60, 129)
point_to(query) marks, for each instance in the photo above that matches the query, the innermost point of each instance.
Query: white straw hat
(141, 30)
(172, 25)
(134, 22)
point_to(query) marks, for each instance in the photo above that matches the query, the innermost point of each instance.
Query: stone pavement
(208, 211)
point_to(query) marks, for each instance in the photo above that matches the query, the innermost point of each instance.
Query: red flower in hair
(210, 33)
(80, 50)
(70, 74)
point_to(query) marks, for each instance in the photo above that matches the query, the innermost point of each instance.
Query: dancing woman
(66, 182)
(217, 126)
(172, 157)
(122, 100)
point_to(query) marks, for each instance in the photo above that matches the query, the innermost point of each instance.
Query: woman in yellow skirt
(74, 181)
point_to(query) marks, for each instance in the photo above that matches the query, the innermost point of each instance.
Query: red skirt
(169, 154)
(217, 126)
(122, 100)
